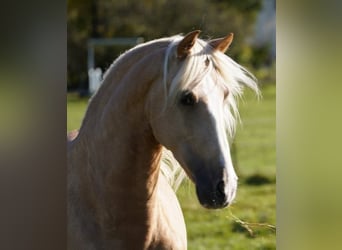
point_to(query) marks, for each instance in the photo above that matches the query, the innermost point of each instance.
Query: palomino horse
(177, 93)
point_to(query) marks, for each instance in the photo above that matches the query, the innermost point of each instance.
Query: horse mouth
(217, 198)
(212, 201)
(215, 205)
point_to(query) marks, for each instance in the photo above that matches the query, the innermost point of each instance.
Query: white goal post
(95, 74)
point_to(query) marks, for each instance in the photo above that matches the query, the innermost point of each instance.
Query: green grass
(255, 138)
(254, 156)
(217, 229)
(75, 111)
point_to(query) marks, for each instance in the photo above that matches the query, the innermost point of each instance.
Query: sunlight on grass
(75, 111)
(217, 229)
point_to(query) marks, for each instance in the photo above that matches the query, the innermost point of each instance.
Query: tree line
(152, 19)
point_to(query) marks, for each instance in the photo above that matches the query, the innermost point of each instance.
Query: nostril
(221, 189)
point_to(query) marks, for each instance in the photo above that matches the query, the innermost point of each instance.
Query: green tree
(152, 19)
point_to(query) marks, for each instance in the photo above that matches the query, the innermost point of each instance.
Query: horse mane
(171, 169)
(230, 75)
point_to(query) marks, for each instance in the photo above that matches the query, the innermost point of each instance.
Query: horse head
(192, 110)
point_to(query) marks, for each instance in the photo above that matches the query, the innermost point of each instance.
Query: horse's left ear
(184, 46)
(222, 44)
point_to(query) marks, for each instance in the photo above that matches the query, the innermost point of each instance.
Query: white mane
(229, 74)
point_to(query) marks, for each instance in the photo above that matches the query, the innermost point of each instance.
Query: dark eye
(188, 99)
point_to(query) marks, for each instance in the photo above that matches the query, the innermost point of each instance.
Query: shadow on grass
(258, 179)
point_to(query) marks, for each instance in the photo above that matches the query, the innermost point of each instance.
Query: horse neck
(118, 156)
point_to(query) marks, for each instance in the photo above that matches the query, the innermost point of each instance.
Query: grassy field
(254, 157)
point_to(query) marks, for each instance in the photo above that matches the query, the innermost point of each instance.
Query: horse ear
(222, 44)
(184, 47)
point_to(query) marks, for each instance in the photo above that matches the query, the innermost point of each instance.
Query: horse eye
(188, 99)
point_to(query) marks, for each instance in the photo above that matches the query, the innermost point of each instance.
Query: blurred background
(99, 31)
(252, 22)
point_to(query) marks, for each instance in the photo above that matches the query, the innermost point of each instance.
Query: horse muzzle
(219, 195)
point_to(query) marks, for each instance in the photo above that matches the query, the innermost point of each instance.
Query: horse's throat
(131, 197)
